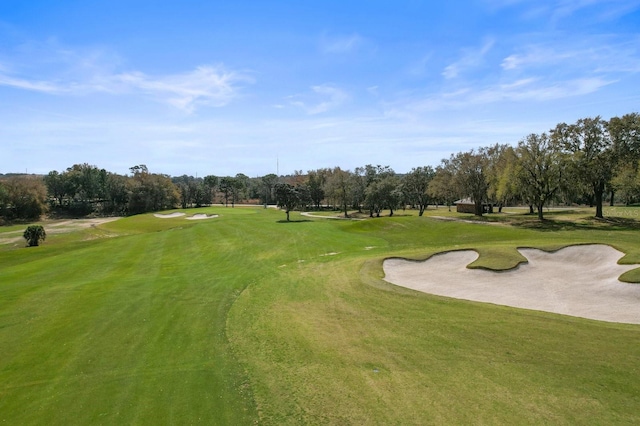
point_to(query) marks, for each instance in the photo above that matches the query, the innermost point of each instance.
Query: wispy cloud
(557, 11)
(593, 54)
(324, 97)
(606, 9)
(37, 86)
(341, 44)
(523, 90)
(471, 58)
(206, 85)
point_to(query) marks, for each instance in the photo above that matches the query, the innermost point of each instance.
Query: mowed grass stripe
(324, 347)
(129, 329)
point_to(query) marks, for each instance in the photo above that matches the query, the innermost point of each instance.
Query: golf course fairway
(245, 318)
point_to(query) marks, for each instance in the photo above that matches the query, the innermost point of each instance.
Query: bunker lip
(201, 216)
(167, 216)
(580, 281)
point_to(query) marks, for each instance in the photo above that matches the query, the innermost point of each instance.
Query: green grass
(245, 318)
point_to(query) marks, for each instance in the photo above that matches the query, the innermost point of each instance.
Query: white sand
(201, 216)
(581, 281)
(167, 216)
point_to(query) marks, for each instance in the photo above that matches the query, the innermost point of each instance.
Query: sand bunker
(201, 216)
(581, 281)
(167, 216)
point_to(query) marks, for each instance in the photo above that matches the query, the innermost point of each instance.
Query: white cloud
(470, 59)
(341, 44)
(37, 86)
(206, 85)
(325, 97)
(591, 54)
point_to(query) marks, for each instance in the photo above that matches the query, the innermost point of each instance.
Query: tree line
(587, 162)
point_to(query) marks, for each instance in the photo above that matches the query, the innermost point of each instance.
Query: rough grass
(245, 318)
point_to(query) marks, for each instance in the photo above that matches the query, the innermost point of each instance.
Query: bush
(34, 234)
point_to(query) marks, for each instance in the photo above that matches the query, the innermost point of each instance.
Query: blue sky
(226, 87)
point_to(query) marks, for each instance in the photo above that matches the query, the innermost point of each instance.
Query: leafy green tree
(470, 177)
(150, 191)
(56, 186)
(540, 169)
(358, 187)
(591, 158)
(226, 186)
(4, 201)
(239, 188)
(268, 183)
(287, 197)
(626, 182)
(34, 234)
(116, 194)
(374, 199)
(339, 188)
(625, 138)
(210, 186)
(442, 186)
(26, 197)
(415, 185)
(501, 159)
(316, 182)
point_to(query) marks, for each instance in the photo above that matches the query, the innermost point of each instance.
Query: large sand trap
(581, 281)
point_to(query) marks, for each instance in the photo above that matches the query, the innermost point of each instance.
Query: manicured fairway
(245, 318)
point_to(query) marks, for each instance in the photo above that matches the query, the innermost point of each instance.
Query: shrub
(34, 234)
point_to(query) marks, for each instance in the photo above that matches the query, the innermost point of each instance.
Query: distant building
(467, 205)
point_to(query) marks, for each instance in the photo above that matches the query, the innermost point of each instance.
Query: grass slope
(246, 318)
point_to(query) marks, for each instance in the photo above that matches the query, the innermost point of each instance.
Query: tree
(226, 187)
(150, 191)
(316, 181)
(469, 171)
(34, 234)
(415, 185)
(625, 138)
(210, 185)
(626, 182)
(268, 183)
(239, 188)
(187, 188)
(116, 194)
(4, 201)
(339, 188)
(26, 197)
(287, 197)
(376, 196)
(56, 185)
(540, 169)
(442, 186)
(500, 174)
(591, 158)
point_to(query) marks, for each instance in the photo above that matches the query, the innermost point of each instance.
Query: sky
(258, 87)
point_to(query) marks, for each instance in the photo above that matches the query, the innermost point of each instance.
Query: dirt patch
(56, 227)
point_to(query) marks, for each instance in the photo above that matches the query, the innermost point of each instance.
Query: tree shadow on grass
(589, 223)
(293, 221)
